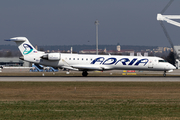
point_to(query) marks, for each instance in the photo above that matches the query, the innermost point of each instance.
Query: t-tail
(24, 46)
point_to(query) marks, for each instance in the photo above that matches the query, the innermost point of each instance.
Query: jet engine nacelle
(52, 56)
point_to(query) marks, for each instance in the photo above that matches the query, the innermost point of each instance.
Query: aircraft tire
(164, 74)
(84, 73)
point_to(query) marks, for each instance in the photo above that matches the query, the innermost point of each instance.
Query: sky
(71, 22)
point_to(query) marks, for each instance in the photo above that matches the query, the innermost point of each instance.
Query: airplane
(86, 62)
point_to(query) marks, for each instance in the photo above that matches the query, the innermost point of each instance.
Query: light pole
(97, 23)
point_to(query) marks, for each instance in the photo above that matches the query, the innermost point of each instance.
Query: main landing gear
(164, 74)
(84, 73)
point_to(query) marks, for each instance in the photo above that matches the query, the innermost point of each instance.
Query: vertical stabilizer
(24, 45)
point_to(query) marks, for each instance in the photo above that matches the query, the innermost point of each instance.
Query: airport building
(13, 62)
(177, 52)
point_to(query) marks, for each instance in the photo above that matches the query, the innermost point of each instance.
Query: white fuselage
(103, 62)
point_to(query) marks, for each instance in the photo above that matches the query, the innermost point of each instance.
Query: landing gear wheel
(84, 73)
(164, 74)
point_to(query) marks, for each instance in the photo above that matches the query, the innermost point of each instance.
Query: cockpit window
(162, 61)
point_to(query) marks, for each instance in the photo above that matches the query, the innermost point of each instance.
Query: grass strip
(91, 109)
(89, 100)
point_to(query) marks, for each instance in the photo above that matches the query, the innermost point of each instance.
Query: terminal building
(13, 62)
(177, 53)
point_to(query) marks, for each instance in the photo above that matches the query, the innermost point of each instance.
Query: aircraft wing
(84, 67)
(90, 67)
(69, 67)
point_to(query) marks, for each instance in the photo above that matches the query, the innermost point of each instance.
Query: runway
(90, 79)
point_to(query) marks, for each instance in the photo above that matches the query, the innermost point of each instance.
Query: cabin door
(150, 64)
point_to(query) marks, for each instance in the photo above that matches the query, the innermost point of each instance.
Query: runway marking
(91, 79)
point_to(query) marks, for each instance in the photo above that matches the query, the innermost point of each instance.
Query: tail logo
(28, 49)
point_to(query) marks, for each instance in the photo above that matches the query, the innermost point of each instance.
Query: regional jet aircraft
(85, 62)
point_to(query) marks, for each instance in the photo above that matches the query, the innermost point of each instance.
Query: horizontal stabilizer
(17, 39)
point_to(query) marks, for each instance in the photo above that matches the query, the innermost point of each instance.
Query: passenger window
(86, 58)
(82, 58)
(73, 58)
(69, 58)
(77, 58)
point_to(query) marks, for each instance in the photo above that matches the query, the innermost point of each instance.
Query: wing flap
(69, 67)
(87, 67)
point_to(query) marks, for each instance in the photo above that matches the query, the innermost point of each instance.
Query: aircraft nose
(172, 67)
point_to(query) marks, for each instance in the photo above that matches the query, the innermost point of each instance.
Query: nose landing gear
(164, 74)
